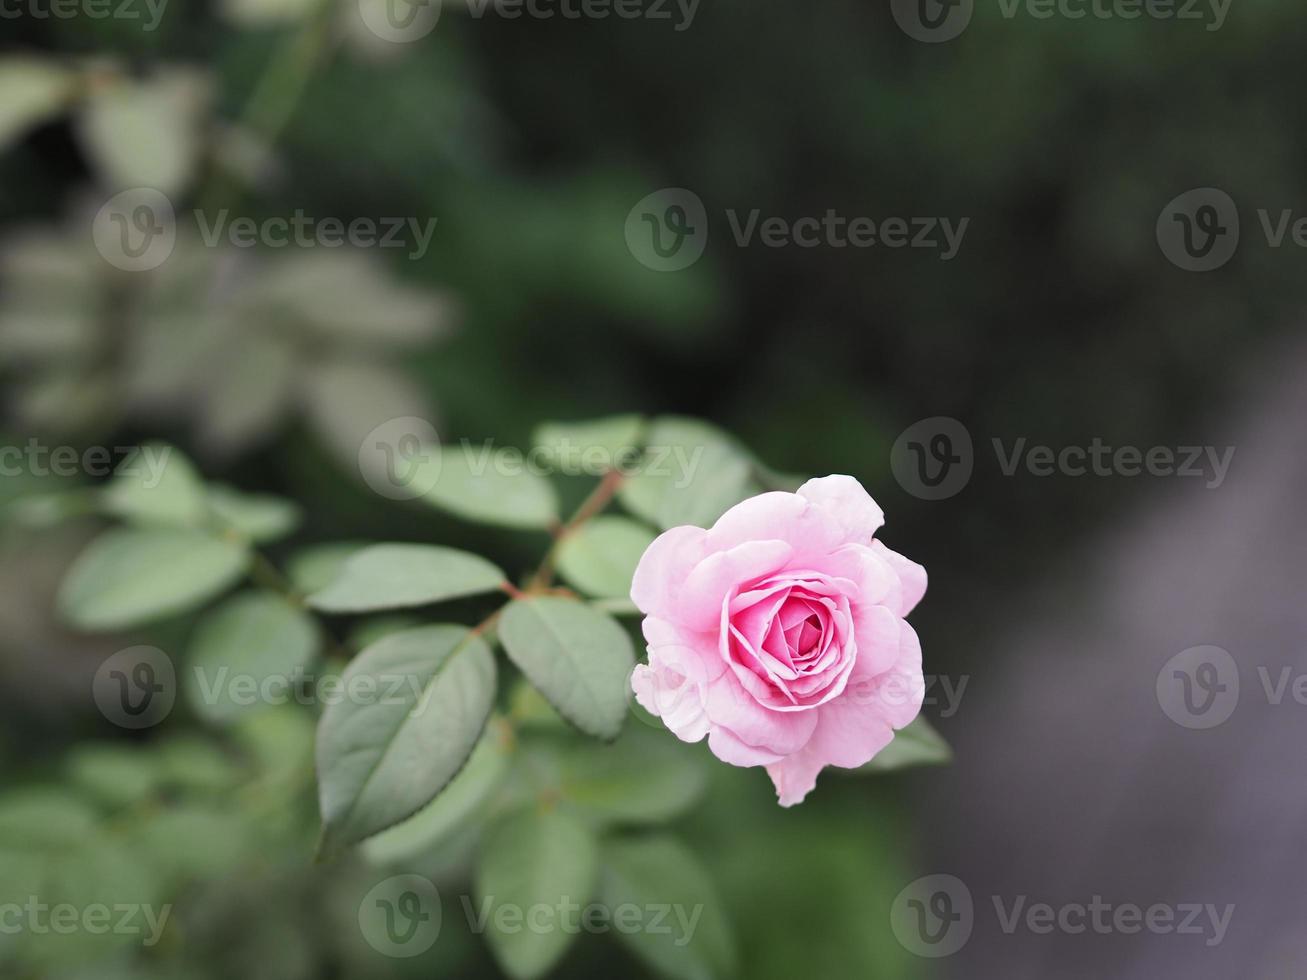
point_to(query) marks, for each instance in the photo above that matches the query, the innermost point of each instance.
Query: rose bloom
(779, 633)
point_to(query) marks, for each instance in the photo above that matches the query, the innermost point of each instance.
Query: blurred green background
(530, 141)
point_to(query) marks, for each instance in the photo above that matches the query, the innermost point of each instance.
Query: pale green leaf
(534, 861)
(394, 576)
(129, 576)
(31, 92)
(591, 447)
(455, 808)
(600, 556)
(577, 657)
(691, 473)
(258, 517)
(251, 648)
(146, 133)
(660, 872)
(157, 486)
(917, 744)
(488, 486)
(317, 566)
(645, 777)
(413, 709)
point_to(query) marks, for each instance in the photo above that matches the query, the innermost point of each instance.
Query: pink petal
(912, 578)
(848, 503)
(736, 709)
(809, 529)
(663, 567)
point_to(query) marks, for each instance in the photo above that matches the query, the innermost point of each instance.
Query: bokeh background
(1060, 321)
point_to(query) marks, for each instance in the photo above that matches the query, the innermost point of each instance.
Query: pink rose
(779, 633)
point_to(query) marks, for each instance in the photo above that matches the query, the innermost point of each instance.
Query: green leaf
(487, 486)
(258, 517)
(692, 473)
(146, 133)
(600, 556)
(31, 92)
(414, 707)
(51, 848)
(645, 777)
(316, 567)
(577, 657)
(253, 645)
(280, 742)
(532, 862)
(591, 447)
(460, 803)
(916, 744)
(196, 764)
(657, 872)
(129, 576)
(158, 486)
(393, 576)
(115, 775)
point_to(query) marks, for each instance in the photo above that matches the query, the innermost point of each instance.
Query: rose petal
(809, 529)
(912, 578)
(848, 503)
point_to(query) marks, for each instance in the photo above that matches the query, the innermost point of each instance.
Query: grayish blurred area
(1071, 782)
